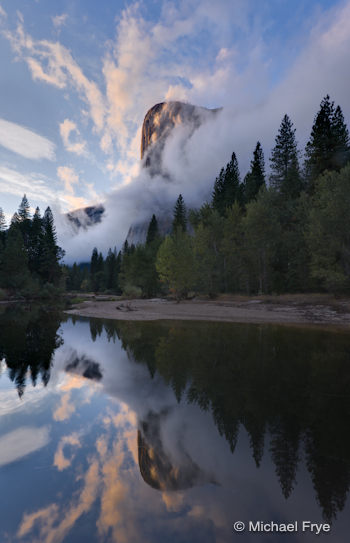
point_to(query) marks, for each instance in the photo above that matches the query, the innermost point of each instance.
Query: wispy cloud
(59, 20)
(3, 13)
(21, 442)
(34, 185)
(53, 63)
(67, 128)
(25, 142)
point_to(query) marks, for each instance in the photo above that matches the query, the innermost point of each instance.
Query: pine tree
(35, 245)
(227, 188)
(285, 173)
(328, 146)
(51, 253)
(15, 219)
(218, 196)
(180, 219)
(341, 140)
(14, 273)
(255, 178)
(152, 232)
(2, 221)
(24, 209)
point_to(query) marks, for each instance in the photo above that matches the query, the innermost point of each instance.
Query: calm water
(170, 432)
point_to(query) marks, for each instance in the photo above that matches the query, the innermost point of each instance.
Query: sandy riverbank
(285, 310)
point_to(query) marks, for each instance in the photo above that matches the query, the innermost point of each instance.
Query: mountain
(158, 125)
(86, 216)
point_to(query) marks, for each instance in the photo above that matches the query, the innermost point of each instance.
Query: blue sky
(78, 76)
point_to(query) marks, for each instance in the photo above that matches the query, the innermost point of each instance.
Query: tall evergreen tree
(51, 253)
(218, 195)
(152, 232)
(2, 221)
(255, 178)
(285, 173)
(328, 146)
(227, 188)
(341, 140)
(36, 239)
(14, 273)
(24, 209)
(180, 215)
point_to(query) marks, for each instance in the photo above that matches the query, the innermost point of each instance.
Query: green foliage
(262, 233)
(14, 262)
(209, 262)
(138, 269)
(2, 221)
(175, 263)
(227, 187)
(29, 254)
(180, 215)
(285, 172)
(255, 178)
(250, 238)
(152, 232)
(328, 233)
(24, 209)
(328, 147)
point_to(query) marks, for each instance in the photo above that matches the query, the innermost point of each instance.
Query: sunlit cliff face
(158, 124)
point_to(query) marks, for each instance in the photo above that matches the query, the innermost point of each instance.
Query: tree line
(29, 255)
(287, 233)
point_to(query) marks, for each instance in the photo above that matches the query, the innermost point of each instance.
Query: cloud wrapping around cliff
(206, 54)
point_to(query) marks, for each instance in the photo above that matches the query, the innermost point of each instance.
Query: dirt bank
(298, 309)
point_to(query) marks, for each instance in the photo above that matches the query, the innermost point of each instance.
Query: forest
(282, 233)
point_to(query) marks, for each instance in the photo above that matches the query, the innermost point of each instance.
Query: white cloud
(53, 63)
(67, 128)
(21, 442)
(3, 13)
(25, 142)
(59, 20)
(33, 185)
(69, 177)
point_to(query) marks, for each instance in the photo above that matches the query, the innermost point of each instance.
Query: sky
(78, 76)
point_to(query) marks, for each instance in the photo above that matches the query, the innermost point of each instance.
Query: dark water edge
(170, 431)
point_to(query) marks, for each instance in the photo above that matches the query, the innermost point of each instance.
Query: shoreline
(274, 310)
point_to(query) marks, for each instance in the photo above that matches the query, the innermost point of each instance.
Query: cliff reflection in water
(289, 388)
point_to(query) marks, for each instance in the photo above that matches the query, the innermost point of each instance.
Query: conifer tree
(23, 210)
(126, 248)
(15, 219)
(341, 139)
(51, 253)
(285, 173)
(255, 178)
(227, 188)
(2, 221)
(36, 239)
(180, 215)
(152, 232)
(14, 271)
(218, 196)
(328, 146)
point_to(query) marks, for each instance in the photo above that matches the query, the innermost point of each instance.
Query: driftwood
(125, 307)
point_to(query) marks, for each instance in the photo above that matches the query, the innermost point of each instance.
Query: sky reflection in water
(169, 432)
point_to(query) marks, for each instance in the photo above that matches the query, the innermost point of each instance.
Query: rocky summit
(158, 125)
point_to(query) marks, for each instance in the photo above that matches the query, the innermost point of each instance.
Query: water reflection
(170, 431)
(28, 340)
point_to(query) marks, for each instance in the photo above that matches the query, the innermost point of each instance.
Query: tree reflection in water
(288, 387)
(28, 339)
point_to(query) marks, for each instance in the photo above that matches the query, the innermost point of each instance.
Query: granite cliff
(157, 127)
